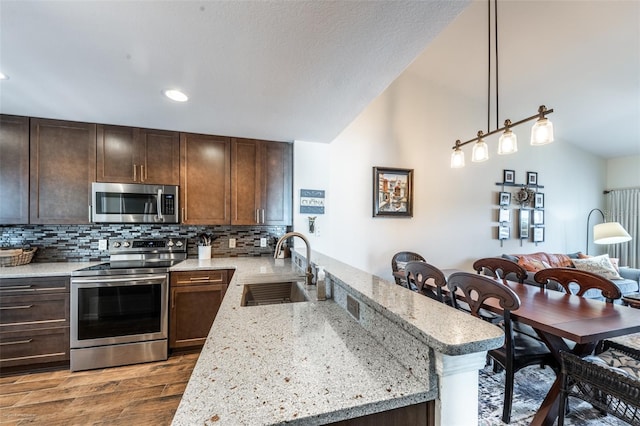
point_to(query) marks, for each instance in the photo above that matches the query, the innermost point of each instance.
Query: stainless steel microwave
(134, 203)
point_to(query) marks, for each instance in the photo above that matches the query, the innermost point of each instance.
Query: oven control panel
(167, 245)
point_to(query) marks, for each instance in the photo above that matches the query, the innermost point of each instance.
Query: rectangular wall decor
(392, 192)
(312, 201)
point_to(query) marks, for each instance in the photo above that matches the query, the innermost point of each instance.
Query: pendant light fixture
(541, 132)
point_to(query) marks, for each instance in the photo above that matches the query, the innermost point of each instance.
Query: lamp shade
(610, 233)
(542, 132)
(508, 143)
(457, 159)
(480, 152)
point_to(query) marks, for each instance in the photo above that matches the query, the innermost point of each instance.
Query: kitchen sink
(271, 293)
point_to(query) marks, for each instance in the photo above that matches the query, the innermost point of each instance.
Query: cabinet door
(14, 169)
(205, 180)
(117, 154)
(193, 309)
(246, 189)
(261, 182)
(62, 167)
(161, 161)
(277, 191)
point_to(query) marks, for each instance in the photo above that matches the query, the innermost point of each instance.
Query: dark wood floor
(143, 394)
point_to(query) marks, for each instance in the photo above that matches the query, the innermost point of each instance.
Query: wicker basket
(16, 257)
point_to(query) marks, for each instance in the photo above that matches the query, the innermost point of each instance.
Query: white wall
(623, 172)
(413, 124)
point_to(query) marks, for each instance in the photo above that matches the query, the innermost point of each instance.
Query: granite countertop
(312, 362)
(44, 269)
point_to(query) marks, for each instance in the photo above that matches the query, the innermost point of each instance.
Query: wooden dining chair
(398, 263)
(419, 273)
(519, 350)
(582, 281)
(500, 268)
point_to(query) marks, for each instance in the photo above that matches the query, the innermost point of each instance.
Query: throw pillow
(531, 265)
(615, 262)
(583, 256)
(600, 265)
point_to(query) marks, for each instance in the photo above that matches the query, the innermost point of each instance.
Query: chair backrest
(476, 289)
(403, 257)
(500, 267)
(583, 279)
(418, 273)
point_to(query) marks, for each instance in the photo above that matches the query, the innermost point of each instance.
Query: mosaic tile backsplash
(79, 243)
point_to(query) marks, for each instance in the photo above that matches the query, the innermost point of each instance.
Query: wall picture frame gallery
(529, 218)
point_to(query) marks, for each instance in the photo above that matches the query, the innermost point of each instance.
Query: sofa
(627, 279)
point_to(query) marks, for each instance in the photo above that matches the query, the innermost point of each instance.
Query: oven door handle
(108, 280)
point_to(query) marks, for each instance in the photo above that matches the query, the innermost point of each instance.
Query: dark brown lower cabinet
(413, 415)
(34, 322)
(195, 299)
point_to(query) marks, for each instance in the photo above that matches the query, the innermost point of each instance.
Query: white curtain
(623, 205)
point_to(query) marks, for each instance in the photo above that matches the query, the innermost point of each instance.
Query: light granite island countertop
(314, 363)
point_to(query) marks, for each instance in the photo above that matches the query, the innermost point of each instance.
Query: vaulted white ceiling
(303, 70)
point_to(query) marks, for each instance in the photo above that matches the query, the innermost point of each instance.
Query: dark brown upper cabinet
(261, 182)
(14, 169)
(205, 184)
(62, 167)
(132, 155)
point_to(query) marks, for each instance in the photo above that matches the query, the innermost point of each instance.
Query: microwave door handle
(159, 205)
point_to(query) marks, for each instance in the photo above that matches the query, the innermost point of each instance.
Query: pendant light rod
(542, 112)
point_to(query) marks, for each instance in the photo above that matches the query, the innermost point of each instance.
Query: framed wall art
(392, 192)
(539, 200)
(505, 198)
(538, 234)
(504, 232)
(525, 222)
(538, 217)
(509, 176)
(532, 178)
(504, 215)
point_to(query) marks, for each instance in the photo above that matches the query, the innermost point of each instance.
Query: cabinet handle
(6, 308)
(199, 279)
(143, 173)
(17, 288)
(184, 216)
(17, 342)
(134, 173)
(262, 211)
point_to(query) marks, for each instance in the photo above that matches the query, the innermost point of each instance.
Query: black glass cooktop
(127, 267)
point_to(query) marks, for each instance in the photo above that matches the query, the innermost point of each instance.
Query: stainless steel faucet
(309, 273)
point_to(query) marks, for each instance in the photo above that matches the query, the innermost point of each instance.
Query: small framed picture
(538, 202)
(532, 178)
(504, 215)
(505, 198)
(392, 192)
(538, 217)
(538, 234)
(525, 221)
(508, 176)
(504, 232)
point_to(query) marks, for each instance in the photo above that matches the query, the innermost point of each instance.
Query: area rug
(531, 385)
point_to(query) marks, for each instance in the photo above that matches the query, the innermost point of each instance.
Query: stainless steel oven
(119, 309)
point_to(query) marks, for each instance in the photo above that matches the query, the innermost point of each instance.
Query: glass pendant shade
(508, 143)
(457, 159)
(480, 152)
(542, 132)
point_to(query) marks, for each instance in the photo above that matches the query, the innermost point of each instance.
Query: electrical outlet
(102, 244)
(232, 243)
(263, 242)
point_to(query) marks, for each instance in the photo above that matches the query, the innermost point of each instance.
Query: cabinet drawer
(34, 347)
(20, 286)
(34, 310)
(214, 276)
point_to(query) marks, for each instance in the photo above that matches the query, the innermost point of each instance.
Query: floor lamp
(606, 232)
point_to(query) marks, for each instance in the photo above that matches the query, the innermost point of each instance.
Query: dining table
(558, 319)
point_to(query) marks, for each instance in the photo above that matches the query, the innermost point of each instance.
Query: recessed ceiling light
(4, 76)
(176, 95)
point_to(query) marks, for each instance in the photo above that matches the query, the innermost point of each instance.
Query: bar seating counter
(314, 362)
